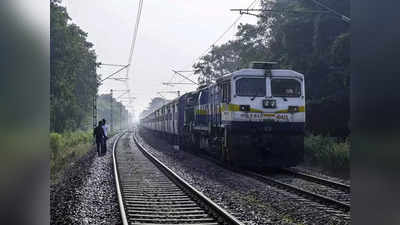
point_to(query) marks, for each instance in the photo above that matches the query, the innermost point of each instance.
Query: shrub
(327, 152)
(67, 147)
(56, 144)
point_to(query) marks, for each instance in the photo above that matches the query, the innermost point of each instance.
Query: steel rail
(117, 183)
(299, 191)
(207, 203)
(282, 185)
(319, 180)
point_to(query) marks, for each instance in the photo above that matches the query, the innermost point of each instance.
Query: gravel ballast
(86, 194)
(249, 200)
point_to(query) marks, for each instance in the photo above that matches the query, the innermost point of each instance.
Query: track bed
(152, 195)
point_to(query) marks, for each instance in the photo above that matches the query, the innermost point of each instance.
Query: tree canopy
(73, 77)
(315, 44)
(119, 112)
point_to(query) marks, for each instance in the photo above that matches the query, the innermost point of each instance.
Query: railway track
(150, 193)
(333, 184)
(312, 193)
(326, 192)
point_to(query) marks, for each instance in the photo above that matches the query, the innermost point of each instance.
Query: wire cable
(226, 31)
(135, 32)
(219, 37)
(343, 17)
(133, 42)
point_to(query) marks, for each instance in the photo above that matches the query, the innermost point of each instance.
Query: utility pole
(124, 92)
(94, 111)
(120, 117)
(111, 111)
(94, 116)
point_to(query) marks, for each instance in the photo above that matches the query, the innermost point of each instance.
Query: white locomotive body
(252, 117)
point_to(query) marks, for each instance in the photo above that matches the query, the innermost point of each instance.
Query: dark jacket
(98, 133)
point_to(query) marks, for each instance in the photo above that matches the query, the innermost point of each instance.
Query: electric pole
(111, 111)
(94, 116)
(94, 111)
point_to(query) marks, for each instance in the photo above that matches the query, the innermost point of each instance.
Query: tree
(315, 44)
(119, 111)
(73, 77)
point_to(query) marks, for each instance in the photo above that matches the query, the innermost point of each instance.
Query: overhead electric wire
(343, 17)
(219, 38)
(135, 32)
(108, 64)
(133, 42)
(114, 73)
(226, 31)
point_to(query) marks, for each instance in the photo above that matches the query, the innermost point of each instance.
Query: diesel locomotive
(253, 117)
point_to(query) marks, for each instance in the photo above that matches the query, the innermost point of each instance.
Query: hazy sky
(172, 34)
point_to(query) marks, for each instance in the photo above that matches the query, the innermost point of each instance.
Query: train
(253, 117)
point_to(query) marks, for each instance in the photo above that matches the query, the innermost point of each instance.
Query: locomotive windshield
(252, 87)
(285, 88)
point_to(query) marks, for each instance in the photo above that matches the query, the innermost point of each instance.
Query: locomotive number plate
(282, 116)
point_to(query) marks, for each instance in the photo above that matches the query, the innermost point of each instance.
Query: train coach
(253, 117)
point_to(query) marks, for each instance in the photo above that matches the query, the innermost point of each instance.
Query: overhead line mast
(94, 113)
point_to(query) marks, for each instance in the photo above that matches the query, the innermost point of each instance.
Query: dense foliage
(328, 153)
(315, 44)
(73, 81)
(119, 112)
(66, 148)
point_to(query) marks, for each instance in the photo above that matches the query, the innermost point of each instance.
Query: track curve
(151, 193)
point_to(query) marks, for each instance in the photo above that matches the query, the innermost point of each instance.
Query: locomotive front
(263, 116)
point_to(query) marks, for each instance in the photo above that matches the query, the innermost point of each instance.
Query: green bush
(327, 152)
(56, 144)
(66, 148)
(77, 137)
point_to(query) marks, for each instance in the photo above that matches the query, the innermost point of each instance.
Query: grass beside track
(65, 149)
(328, 153)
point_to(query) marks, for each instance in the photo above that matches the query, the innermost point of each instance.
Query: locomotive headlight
(293, 109)
(244, 108)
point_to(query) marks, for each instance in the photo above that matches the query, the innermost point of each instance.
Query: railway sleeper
(173, 216)
(177, 220)
(165, 209)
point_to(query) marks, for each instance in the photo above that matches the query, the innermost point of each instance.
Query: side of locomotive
(252, 118)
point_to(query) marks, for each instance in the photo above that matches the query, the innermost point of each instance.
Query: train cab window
(226, 92)
(203, 97)
(252, 87)
(285, 88)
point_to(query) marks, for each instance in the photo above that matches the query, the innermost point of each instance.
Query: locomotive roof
(243, 72)
(260, 72)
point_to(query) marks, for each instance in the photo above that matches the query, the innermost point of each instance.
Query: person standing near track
(104, 143)
(99, 135)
